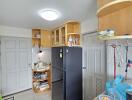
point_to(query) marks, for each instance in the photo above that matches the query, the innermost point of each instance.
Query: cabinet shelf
(115, 37)
(60, 36)
(39, 71)
(39, 80)
(41, 38)
(39, 91)
(73, 34)
(113, 6)
(36, 38)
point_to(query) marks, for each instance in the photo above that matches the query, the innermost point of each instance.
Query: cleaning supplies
(114, 46)
(117, 89)
(126, 47)
(107, 33)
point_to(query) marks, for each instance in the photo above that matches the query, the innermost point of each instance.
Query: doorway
(16, 64)
(94, 70)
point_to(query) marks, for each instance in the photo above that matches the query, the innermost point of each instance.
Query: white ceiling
(24, 13)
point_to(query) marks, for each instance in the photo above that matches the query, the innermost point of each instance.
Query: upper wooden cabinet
(101, 3)
(113, 7)
(115, 15)
(41, 38)
(67, 35)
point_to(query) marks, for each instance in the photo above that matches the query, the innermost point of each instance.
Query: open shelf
(75, 37)
(115, 37)
(60, 35)
(73, 34)
(41, 79)
(39, 71)
(34, 79)
(39, 91)
(113, 6)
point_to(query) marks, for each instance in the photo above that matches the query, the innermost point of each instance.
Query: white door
(94, 74)
(16, 64)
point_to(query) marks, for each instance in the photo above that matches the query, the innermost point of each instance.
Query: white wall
(0, 74)
(46, 58)
(89, 25)
(14, 31)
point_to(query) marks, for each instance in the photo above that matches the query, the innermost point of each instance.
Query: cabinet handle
(84, 67)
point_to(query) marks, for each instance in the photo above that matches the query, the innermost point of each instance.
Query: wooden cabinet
(67, 35)
(117, 16)
(36, 37)
(101, 3)
(41, 38)
(58, 37)
(72, 34)
(62, 35)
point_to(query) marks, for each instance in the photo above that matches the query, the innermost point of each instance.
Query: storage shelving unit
(46, 81)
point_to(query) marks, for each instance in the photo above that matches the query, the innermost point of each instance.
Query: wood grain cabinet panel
(101, 3)
(120, 20)
(41, 38)
(45, 38)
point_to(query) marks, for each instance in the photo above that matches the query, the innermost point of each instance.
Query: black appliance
(129, 95)
(66, 73)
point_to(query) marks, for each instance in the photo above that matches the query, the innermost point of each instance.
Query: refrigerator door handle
(84, 67)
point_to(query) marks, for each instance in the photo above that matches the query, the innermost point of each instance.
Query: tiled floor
(29, 95)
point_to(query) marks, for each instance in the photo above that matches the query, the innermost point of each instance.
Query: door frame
(94, 33)
(17, 38)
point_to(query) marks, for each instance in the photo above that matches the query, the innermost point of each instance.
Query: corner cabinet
(115, 15)
(66, 35)
(41, 38)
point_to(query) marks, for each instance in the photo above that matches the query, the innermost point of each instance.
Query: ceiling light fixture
(49, 14)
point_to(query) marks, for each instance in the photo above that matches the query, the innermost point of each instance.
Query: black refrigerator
(66, 73)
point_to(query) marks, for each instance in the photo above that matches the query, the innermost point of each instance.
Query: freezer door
(73, 73)
(57, 90)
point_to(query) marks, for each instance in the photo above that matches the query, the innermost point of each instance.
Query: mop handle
(114, 64)
(126, 62)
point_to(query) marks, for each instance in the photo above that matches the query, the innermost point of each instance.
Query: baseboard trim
(17, 93)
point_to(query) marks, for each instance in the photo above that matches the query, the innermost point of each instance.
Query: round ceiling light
(49, 14)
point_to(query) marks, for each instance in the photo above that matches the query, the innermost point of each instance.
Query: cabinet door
(45, 38)
(57, 37)
(62, 36)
